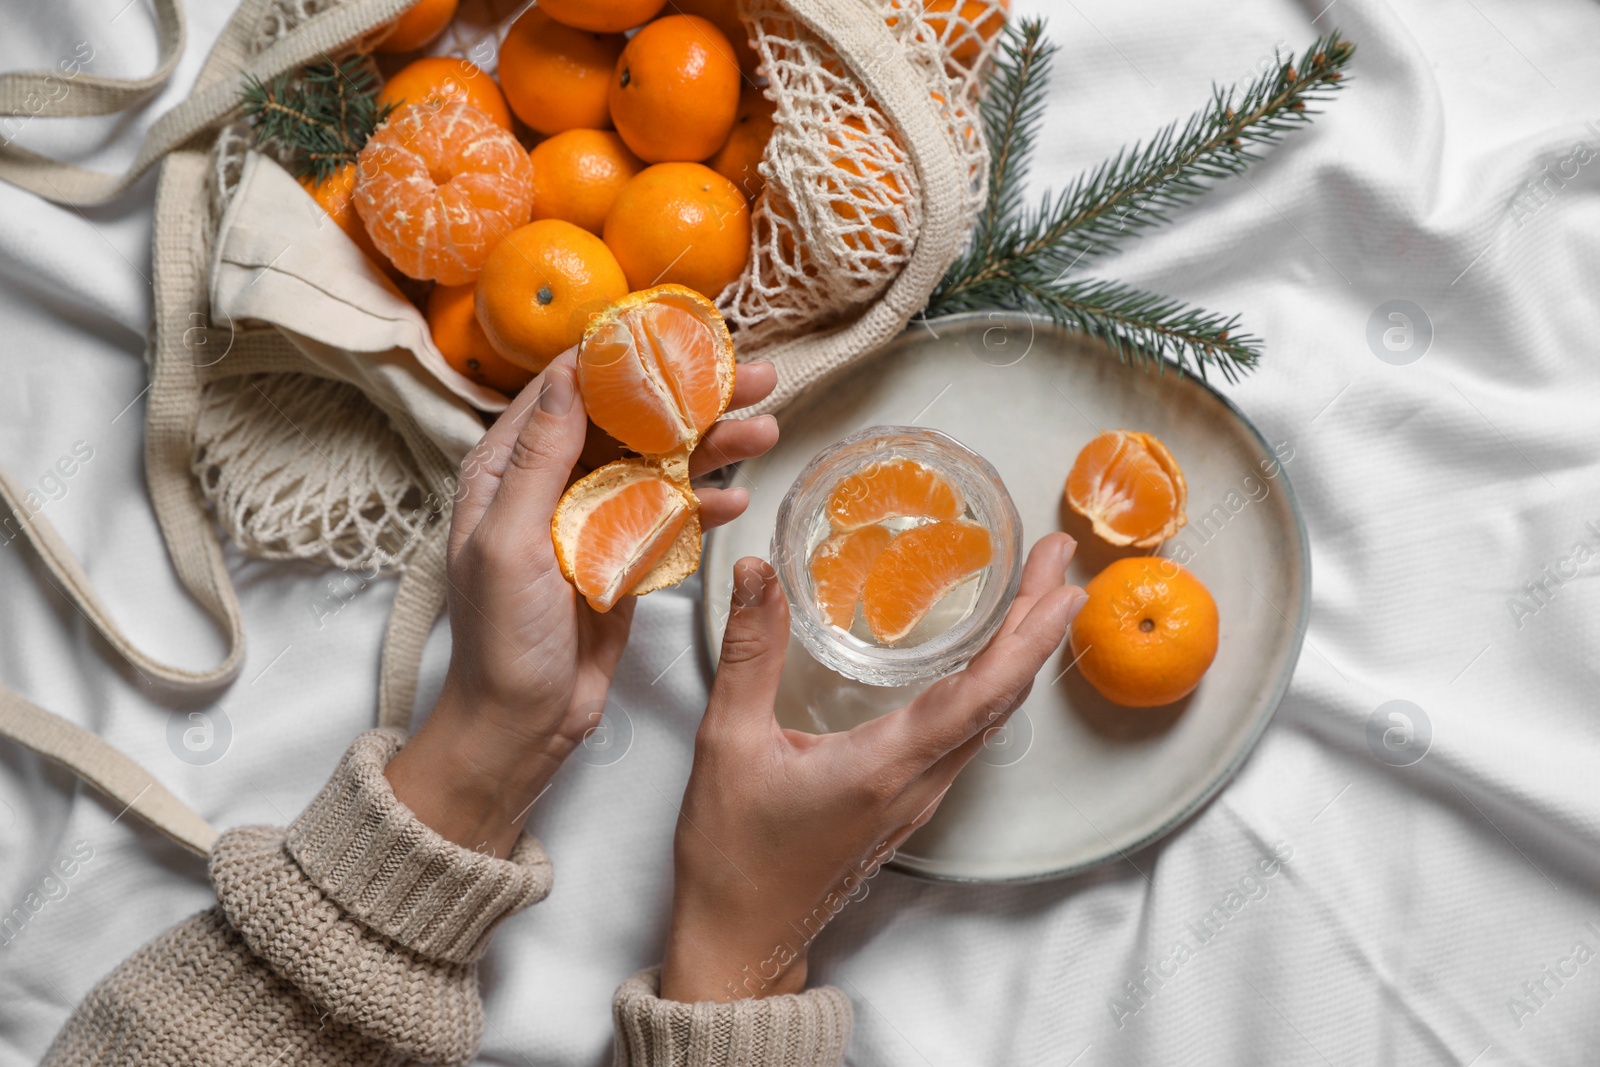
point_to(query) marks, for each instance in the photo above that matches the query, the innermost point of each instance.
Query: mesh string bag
(842, 205)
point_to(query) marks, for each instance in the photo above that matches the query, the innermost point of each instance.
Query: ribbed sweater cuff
(374, 858)
(810, 1029)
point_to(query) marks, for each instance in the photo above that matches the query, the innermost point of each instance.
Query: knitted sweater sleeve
(353, 938)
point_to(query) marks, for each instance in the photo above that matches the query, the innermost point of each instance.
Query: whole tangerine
(435, 79)
(739, 159)
(420, 24)
(680, 223)
(977, 21)
(556, 77)
(539, 288)
(1147, 634)
(438, 185)
(724, 14)
(578, 174)
(984, 17)
(612, 16)
(335, 194)
(674, 94)
(453, 322)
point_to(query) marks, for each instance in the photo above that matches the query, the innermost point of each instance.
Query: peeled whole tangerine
(438, 185)
(655, 370)
(626, 529)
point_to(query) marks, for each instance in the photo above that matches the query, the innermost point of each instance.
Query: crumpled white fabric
(1442, 912)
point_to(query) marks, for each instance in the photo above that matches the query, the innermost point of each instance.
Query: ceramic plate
(1072, 780)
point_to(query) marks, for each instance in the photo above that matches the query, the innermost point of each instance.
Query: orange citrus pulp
(616, 525)
(438, 186)
(839, 569)
(1128, 485)
(655, 370)
(889, 489)
(917, 569)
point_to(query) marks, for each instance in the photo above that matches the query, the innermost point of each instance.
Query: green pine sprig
(321, 116)
(1021, 258)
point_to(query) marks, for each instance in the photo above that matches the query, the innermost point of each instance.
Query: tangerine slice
(624, 530)
(890, 489)
(438, 185)
(656, 370)
(1128, 485)
(917, 570)
(839, 569)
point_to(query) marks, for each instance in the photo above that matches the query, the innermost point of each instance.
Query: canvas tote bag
(296, 399)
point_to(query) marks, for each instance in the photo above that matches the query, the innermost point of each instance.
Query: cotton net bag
(876, 132)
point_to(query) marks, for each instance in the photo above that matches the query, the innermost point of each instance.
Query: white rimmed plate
(1072, 780)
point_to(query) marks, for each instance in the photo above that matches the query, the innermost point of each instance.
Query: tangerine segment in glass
(1129, 486)
(656, 369)
(916, 571)
(615, 525)
(890, 489)
(839, 569)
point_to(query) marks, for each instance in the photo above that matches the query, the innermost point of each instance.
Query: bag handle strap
(210, 103)
(73, 583)
(192, 542)
(101, 765)
(864, 42)
(69, 91)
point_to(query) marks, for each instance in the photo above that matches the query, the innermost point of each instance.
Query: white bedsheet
(1414, 910)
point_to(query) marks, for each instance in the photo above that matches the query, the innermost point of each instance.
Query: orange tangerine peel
(655, 370)
(1127, 484)
(626, 529)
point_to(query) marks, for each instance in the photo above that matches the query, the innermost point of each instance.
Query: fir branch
(1012, 109)
(321, 115)
(1137, 326)
(1020, 258)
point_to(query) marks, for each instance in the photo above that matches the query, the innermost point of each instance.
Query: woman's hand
(781, 828)
(530, 661)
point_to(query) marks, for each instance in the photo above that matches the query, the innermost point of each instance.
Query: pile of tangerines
(647, 129)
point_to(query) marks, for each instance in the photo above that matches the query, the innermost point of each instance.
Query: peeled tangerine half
(893, 488)
(624, 530)
(917, 569)
(1128, 485)
(656, 370)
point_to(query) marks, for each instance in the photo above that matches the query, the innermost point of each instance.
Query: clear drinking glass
(958, 627)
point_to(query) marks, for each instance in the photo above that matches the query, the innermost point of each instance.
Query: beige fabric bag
(296, 399)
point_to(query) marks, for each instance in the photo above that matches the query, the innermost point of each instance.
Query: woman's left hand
(530, 661)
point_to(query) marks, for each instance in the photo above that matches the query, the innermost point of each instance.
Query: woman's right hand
(779, 828)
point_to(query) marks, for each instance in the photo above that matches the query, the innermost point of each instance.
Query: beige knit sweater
(353, 938)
